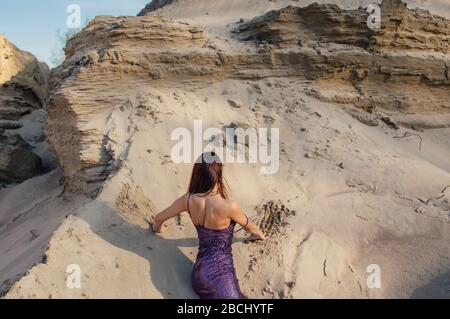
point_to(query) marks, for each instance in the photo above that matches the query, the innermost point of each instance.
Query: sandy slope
(346, 218)
(361, 194)
(30, 213)
(219, 13)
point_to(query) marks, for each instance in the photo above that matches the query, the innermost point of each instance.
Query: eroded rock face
(402, 28)
(111, 59)
(23, 83)
(346, 63)
(17, 162)
(128, 82)
(401, 67)
(23, 90)
(317, 23)
(406, 29)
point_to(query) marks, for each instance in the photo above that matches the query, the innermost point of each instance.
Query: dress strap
(246, 224)
(189, 210)
(204, 217)
(189, 198)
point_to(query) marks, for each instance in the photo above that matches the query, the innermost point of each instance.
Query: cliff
(23, 90)
(364, 125)
(346, 62)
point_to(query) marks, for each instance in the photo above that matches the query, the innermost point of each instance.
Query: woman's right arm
(237, 215)
(180, 205)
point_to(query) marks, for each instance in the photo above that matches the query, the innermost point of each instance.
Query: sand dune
(362, 214)
(222, 12)
(364, 140)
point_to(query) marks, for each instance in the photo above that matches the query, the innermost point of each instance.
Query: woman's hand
(157, 227)
(239, 217)
(256, 237)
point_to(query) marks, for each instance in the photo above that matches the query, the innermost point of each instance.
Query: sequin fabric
(214, 276)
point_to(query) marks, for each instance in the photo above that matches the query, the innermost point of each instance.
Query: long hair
(206, 174)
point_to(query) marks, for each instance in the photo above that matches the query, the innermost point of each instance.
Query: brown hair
(206, 174)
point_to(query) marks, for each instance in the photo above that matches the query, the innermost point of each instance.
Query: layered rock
(23, 83)
(110, 59)
(346, 195)
(17, 162)
(23, 90)
(406, 29)
(401, 28)
(316, 23)
(347, 63)
(401, 67)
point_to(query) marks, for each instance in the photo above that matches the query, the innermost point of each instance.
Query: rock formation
(406, 60)
(120, 53)
(347, 62)
(17, 162)
(405, 29)
(362, 174)
(23, 90)
(305, 26)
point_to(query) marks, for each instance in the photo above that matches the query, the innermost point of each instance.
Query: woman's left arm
(177, 207)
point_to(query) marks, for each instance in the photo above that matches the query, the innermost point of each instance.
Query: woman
(214, 217)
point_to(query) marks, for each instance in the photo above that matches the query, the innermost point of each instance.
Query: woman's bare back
(210, 211)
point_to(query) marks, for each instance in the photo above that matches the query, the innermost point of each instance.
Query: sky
(33, 25)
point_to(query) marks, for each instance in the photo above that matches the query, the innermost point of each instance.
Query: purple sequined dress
(214, 276)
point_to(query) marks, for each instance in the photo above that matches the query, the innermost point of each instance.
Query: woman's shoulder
(230, 205)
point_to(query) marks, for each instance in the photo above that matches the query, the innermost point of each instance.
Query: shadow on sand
(170, 268)
(437, 288)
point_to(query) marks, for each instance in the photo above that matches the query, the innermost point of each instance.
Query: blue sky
(33, 25)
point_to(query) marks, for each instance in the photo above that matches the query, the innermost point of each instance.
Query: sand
(355, 196)
(347, 216)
